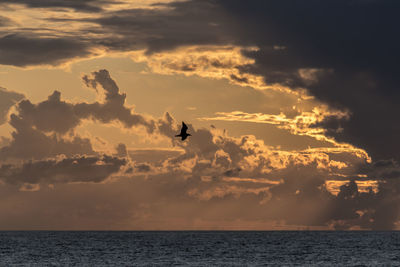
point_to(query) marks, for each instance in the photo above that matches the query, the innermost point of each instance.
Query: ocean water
(199, 248)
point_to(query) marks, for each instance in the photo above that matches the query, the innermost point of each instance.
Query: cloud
(67, 170)
(39, 131)
(113, 107)
(163, 29)
(56, 115)
(210, 61)
(306, 123)
(49, 115)
(213, 152)
(297, 48)
(46, 128)
(353, 75)
(161, 202)
(29, 139)
(80, 6)
(214, 169)
(7, 100)
(212, 176)
(30, 143)
(26, 50)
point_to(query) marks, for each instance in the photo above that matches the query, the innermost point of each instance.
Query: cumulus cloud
(7, 100)
(30, 143)
(46, 128)
(113, 108)
(45, 116)
(50, 115)
(36, 127)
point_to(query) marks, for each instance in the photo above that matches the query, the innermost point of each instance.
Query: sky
(292, 106)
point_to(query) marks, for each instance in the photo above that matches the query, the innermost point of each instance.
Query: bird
(183, 133)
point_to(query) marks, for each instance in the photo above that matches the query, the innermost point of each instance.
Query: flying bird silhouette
(183, 133)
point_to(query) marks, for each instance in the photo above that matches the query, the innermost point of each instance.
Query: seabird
(183, 133)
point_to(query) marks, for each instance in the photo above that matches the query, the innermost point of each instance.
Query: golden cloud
(209, 61)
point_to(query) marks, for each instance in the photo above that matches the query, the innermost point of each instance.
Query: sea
(199, 248)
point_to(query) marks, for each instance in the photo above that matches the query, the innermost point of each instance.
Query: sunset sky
(292, 106)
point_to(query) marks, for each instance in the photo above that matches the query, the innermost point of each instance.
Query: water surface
(203, 248)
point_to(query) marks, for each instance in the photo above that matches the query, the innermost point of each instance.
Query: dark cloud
(26, 50)
(180, 23)
(352, 57)
(382, 170)
(30, 143)
(302, 199)
(346, 61)
(75, 169)
(7, 100)
(76, 5)
(38, 128)
(142, 167)
(114, 106)
(50, 115)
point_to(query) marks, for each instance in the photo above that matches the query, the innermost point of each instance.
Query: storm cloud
(352, 57)
(347, 62)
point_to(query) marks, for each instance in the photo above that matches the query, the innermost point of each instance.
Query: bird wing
(184, 128)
